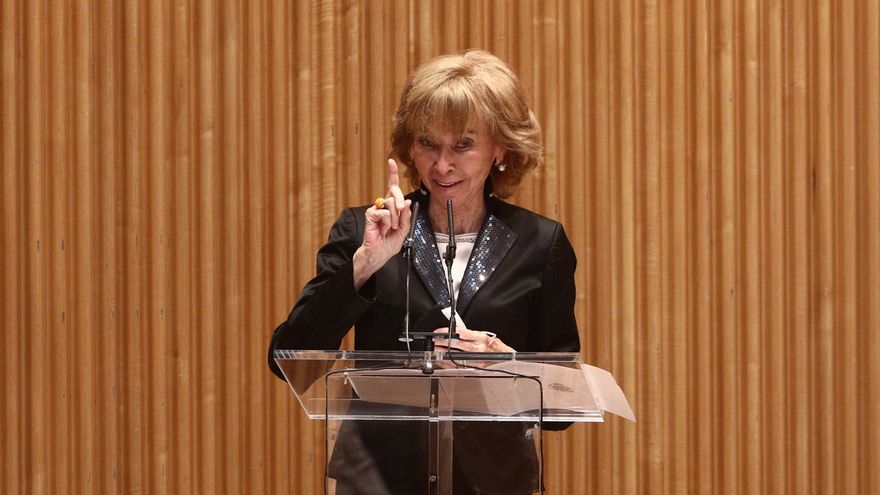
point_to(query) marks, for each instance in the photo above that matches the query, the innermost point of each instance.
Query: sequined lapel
(426, 260)
(492, 245)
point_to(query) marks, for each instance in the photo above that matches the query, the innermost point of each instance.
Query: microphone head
(451, 222)
(410, 237)
(415, 213)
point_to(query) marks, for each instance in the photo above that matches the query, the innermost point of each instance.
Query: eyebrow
(430, 135)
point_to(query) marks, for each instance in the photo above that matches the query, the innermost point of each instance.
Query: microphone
(450, 248)
(410, 238)
(450, 257)
(407, 255)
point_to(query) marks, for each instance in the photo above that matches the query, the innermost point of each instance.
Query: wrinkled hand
(386, 229)
(470, 341)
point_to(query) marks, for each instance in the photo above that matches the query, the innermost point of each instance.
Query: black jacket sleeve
(553, 326)
(328, 306)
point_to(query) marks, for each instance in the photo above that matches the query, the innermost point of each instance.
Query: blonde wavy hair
(452, 93)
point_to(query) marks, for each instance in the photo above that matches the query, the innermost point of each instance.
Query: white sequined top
(464, 245)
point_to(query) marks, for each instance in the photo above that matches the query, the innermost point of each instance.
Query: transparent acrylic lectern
(443, 423)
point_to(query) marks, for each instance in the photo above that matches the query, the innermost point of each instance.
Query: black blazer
(519, 283)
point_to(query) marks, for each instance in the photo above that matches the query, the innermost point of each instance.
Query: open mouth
(446, 185)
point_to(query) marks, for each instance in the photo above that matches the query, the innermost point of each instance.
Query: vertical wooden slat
(132, 368)
(775, 231)
(15, 249)
(181, 246)
(867, 40)
(649, 202)
(845, 251)
(546, 83)
(748, 139)
(106, 142)
(623, 240)
(726, 289)
(565, 204)
(675, 227)
(84, 418)
(57, 241)
(597, 313)
(235, 20)
(302, 221)
(347, 122)
(827, 290)
(170, 168)
(205, 347)
(158, 404)
(272, 459)
(35, 346)
(800, 282)
(703, 409)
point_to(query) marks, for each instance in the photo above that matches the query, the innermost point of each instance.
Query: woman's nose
(445, 161)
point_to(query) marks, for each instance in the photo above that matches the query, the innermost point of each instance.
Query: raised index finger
(393, 175)
(394, 185)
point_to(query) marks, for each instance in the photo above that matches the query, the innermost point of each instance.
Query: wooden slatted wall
(170, 167)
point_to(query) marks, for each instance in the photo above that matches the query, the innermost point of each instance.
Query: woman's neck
(468, 218)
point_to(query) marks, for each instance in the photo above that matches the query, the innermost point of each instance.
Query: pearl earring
(501, 167)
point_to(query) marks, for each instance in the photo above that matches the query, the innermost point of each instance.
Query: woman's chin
(457, 193)
(444, 193)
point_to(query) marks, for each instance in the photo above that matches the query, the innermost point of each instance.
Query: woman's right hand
(384, 232)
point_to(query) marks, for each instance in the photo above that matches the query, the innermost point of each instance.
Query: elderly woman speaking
(463, 134)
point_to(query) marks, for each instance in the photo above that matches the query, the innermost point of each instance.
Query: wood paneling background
(169, 169)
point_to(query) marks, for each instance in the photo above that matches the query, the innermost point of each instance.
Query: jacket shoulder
(523, 220)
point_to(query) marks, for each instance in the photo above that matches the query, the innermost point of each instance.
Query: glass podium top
(455, 386)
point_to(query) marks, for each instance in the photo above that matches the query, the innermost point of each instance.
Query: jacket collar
(493, 242)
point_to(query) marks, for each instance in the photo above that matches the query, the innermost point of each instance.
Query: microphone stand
(450, 257)
(428, 365)
(407, 255)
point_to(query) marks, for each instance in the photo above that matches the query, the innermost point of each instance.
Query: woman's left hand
(470, 341)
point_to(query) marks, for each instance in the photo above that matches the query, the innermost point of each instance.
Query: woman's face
(454, 166)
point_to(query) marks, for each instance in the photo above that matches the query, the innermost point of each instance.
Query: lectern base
(442, 457)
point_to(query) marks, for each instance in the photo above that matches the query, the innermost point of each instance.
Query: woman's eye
(464, 144)
(427, 143)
